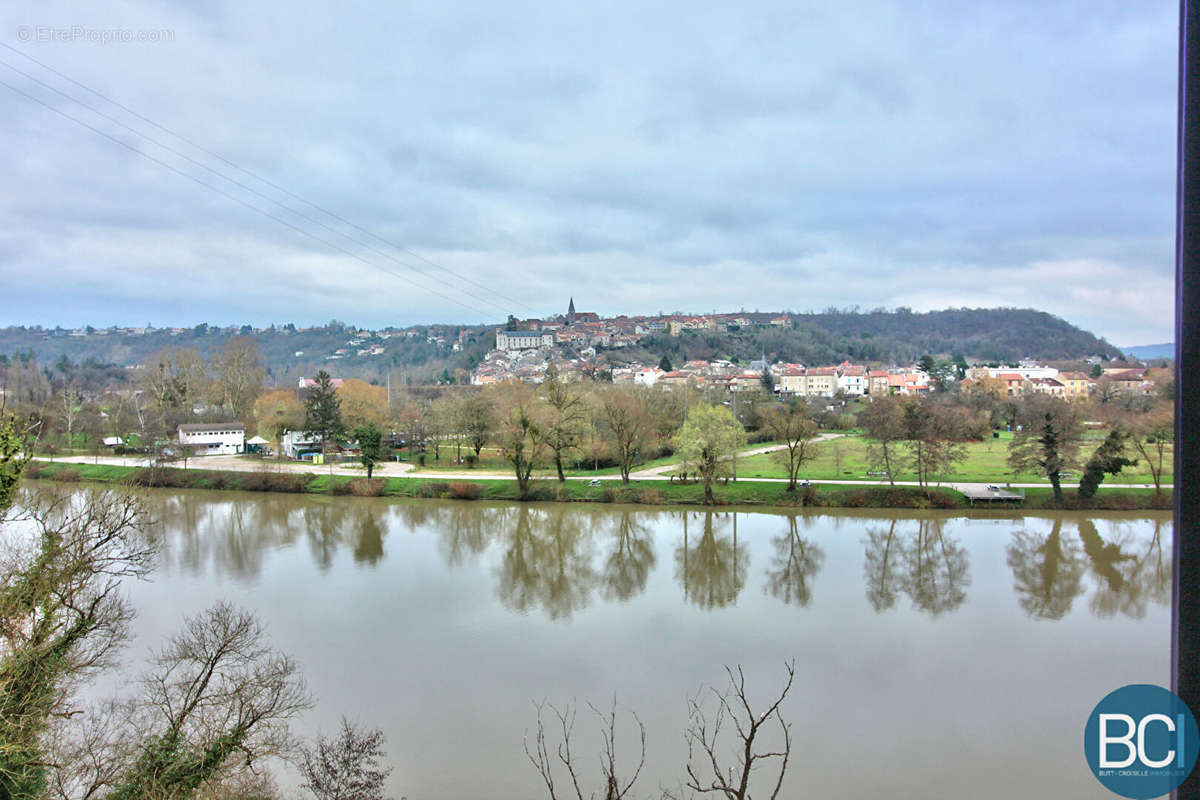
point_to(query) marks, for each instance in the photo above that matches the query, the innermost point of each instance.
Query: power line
(245, 187)
(256, 176)
(236, 199)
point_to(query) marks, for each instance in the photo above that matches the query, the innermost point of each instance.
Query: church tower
(571, 312)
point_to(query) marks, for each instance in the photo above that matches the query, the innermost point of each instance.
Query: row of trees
(563, 424)
(927, 435)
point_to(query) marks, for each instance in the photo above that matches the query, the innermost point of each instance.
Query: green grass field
(986, 462)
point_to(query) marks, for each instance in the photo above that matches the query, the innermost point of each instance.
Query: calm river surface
(936, 656)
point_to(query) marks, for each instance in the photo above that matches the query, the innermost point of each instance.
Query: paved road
(666, 469)
(389, 469)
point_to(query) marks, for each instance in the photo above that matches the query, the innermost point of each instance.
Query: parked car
(594, 482)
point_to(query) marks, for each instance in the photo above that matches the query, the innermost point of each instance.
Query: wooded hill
(891, 337)
(876, 338)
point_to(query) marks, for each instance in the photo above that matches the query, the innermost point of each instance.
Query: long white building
(523, 340)
(214, 438)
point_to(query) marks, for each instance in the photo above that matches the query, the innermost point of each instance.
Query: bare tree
(1153, 435)
(627, 423)
(884, 421)
(175, 379)
(521, 431)
(708, 771)
(476, 421)
(217, 702)
(792, 424)
(237, 376)
(69, 410)
(613, 785)
(564, 420)
(345, 768)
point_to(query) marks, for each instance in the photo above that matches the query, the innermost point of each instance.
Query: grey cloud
(632, 154)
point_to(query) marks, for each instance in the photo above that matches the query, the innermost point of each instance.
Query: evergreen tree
(323, 411)
(1109, 459)
(370, 446)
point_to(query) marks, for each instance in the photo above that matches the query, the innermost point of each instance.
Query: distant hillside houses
(1033, 379)
(531, 364)
(587, 329)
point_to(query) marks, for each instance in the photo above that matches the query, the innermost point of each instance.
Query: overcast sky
(640, 156)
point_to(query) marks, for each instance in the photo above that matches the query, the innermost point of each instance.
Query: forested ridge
(892, 337)
(876, 337)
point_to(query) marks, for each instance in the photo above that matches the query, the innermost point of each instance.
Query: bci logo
(1141, 741)
(1135, 748)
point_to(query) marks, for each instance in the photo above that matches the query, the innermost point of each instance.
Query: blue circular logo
(1141, 741)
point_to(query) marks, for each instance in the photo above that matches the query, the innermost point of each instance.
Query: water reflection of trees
(630, 558)
(1047, 572)
(463, 532)
(711, 566)
(1128, 574)
(234, 534)
(794, 566)
(546, 562)
(924, 563)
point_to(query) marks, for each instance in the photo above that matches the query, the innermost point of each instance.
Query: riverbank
(648, 492)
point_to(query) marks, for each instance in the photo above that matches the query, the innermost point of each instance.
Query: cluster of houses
(798, 380)
(367, 343)
(582, 329)
(786, 380)
(1028, 378)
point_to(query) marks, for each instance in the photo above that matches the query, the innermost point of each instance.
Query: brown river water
(936, 655)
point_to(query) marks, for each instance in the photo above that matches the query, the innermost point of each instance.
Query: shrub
(608, 496)
(339, 488)
(650, 497)
(65, 475)
(33, 469)
(944, 500)
(538, 493)
(464, 490)
(163, 477)
(366, 487)
(857, 499)
(758, 436)
(290, 482)
(433, 489)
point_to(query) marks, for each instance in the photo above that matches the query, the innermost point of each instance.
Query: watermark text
(71, 34)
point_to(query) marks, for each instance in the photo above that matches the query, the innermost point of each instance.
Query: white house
(213, 438)
(297, 444)
(853, 380)
(648, 376)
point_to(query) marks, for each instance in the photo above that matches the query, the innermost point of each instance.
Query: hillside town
(568, 345)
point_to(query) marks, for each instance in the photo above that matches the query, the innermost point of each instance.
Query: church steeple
(571, 312)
